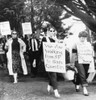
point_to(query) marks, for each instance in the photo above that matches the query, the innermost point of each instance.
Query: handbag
(69, 75)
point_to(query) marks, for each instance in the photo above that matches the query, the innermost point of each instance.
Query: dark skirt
(16, 62)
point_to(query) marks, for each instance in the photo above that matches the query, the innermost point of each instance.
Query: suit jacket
(31, 45)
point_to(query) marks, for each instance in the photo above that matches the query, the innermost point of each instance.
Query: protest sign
(85, 53)
(54, 57)
(5, 28)
(27, 28)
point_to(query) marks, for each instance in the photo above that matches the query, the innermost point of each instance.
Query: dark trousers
(3, 60)
(82, 74)
(34, 56)
(53, 80)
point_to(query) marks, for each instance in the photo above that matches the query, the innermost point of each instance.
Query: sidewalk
(35, 89)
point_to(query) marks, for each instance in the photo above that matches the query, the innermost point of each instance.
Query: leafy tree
(36, 11)
(11, 10)
(45, 10)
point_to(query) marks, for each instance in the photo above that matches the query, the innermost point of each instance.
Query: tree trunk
(89, 21)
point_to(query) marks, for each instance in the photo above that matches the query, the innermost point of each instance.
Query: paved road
(35, 89)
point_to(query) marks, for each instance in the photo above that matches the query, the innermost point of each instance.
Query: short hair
(83, 34)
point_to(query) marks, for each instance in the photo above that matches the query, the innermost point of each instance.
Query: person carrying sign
(83, 53)
(52, 76)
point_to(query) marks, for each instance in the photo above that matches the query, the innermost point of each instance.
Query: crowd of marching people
(14, 48)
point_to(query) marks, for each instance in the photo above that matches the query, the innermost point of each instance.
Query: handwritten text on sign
(85, 53)
(5, 28)
(27, 28)
(54, 57)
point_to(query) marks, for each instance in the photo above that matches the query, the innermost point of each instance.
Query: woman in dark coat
(52, 76)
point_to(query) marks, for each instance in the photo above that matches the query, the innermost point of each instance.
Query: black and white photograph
(47, 49)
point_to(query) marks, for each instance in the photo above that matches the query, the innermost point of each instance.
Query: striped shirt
(34, 45)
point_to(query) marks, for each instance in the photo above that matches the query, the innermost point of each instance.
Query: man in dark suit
(34, 54)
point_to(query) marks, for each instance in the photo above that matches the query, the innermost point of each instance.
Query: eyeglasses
(52, 30)
(14, 33)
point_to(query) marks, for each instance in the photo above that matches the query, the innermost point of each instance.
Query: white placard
(85, 53)
(5, 28)
(27, 28)
(54, 57)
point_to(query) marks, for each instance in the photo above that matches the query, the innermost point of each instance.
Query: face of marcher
(14, 36)
(52, 32)
(83, 39)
